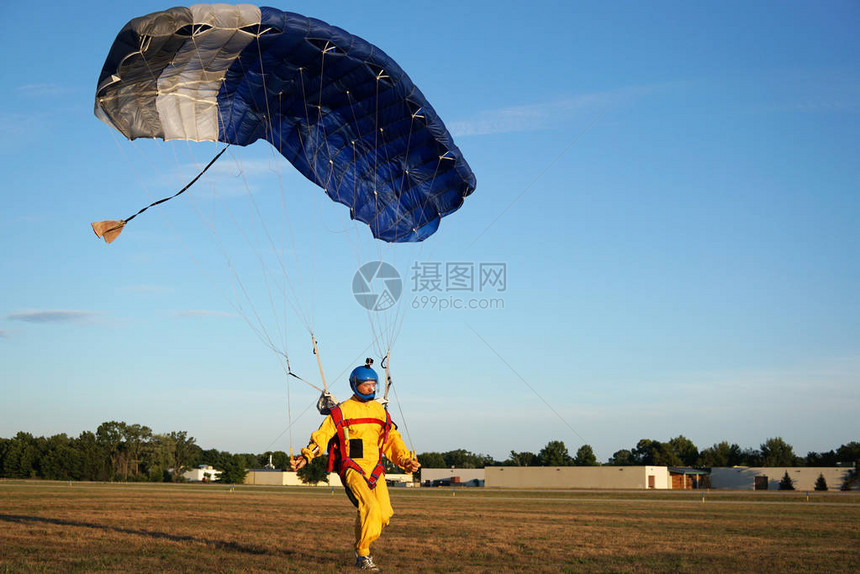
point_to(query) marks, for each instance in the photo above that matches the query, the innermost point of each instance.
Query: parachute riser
(388, 382)
(319, 363)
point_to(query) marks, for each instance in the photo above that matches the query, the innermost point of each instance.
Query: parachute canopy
(337, 107)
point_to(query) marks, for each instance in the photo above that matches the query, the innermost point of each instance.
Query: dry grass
(83, 527)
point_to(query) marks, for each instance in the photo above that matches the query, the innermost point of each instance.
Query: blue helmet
(360, 375)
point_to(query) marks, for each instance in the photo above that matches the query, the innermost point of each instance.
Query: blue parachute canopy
(337, 107)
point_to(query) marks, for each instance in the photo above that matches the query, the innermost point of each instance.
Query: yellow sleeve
(319, 439)
(395, 449)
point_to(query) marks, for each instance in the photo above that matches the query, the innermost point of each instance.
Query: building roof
(687, 470)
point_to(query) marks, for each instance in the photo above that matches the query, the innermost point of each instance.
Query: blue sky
(672, 188)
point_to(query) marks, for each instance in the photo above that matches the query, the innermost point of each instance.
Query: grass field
(90, 527)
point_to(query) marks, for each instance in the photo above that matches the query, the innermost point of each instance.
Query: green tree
(462, 458)
(752, 457)
(523, 459)
(786, 483)
(684, 449)
(621, 457)
(653, 452)
(821, 458)
(555, 454)
(431, 460)
(248, 460)
(645, 451)
(776, 452)
(61, 460)
(664, 455)
(21, 459)
(280, 459)
(135, 438)
(110, 437)
(315, 471)
(821, 482)
(849, 453)
(159, 458)
(94, 461)
(721, 454)
(4, 448)
(185, 452)
(234, 470)
(214, 457)
(585, 457)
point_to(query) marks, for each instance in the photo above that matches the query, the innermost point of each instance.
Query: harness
(339, 448)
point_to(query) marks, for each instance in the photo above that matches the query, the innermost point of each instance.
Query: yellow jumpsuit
(374, 505)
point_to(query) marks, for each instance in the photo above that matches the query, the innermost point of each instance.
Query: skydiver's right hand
(297, 462)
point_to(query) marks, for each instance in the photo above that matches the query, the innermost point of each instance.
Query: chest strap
(337, 447)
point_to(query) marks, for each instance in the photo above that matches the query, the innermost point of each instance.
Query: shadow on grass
(219, 544)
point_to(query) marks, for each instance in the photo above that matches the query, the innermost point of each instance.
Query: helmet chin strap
(365, 398)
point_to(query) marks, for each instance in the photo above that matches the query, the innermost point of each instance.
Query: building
(688, 478)
(452, 476)
(274, 477)
(203, 473)
(577, 477)
(768, 478)
(592, 477)
(399, 480)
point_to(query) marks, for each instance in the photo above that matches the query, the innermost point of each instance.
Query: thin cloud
(251, 167)
(53, 316)
(231, 177)
(17, 129)
(827, 386)
(834, 105)
(813, 91)
(42, 90)
(4, 334)
(149, 289)
(202, 313)
(542, 115)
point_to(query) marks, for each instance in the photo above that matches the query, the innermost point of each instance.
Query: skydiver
(357, 433)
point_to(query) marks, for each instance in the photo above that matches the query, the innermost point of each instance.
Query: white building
(271, 477)
(768, 478)
(203, 473)
(593, 477)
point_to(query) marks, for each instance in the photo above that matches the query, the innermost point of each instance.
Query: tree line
(117, 451)
(681, 451)
(678, 451)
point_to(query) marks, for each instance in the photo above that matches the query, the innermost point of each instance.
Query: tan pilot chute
(108, 230)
